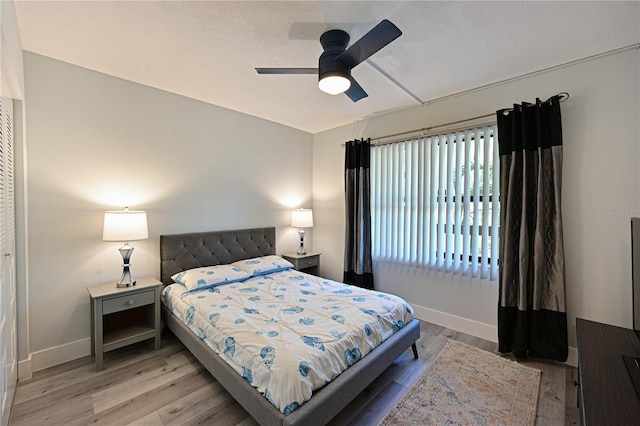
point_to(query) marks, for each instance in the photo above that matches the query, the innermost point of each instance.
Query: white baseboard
(24, 369)
(464, 325)
(60, 354)
(68, 352)
(474, 328)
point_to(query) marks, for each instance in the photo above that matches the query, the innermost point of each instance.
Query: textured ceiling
(207, 50)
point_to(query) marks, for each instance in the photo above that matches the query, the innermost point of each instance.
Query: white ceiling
(207, 50)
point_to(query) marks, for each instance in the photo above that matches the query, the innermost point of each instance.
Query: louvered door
(8, 328)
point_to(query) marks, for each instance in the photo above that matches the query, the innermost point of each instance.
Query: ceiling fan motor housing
(334, 42)
(336, 62)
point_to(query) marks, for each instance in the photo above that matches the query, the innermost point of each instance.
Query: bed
(183, 252)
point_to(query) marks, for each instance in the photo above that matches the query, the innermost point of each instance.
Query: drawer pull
(131, 301)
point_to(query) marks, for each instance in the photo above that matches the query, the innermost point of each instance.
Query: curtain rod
(437, 126)
(430, 133)
(563, 96)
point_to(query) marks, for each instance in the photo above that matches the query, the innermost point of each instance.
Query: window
(434, 202)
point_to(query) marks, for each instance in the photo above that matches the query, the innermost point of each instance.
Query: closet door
(8, 328)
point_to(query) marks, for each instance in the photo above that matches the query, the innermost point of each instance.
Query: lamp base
(126, 279)
(120, 284)
(301, 250)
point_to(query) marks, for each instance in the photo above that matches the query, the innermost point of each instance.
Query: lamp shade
(302, 218)
(125, 226)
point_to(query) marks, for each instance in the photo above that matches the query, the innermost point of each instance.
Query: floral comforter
(289, 333)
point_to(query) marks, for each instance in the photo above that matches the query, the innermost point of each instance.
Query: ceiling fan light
(334, 83)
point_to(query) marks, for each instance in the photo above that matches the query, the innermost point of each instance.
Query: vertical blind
(434, 202)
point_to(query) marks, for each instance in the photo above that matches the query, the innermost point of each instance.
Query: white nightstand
(122, 316)
(309, 263)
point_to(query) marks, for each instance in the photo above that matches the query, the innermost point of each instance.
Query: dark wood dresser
(607, 395)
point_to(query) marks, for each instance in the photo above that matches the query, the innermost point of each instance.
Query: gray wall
(601, 191)
(99, 143)
(96, 142)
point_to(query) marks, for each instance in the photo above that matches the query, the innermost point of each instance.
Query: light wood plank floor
(140, 386)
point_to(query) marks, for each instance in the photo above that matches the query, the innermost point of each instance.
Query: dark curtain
(532, 319)
(358, 269)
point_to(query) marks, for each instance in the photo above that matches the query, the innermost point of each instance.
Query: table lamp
(125, 226)
(302, 218)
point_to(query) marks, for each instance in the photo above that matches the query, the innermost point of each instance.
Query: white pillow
(210, 276)
(263, 265)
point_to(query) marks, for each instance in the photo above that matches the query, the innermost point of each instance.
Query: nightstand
(309, 263)
(122, 316)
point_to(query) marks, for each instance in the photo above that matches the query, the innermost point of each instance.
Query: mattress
(288, 333)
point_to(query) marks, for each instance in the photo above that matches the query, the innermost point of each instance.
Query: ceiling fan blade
(287, 70)
(379, 36)
(355, 92)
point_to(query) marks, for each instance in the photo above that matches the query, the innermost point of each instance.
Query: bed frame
(179, 252)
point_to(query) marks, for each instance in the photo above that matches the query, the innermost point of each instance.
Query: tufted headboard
(179, 252)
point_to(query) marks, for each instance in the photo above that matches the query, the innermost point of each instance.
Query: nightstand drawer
(129, 301)
(308, 262)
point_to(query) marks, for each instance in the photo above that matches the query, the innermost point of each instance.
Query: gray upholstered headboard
(179, 252)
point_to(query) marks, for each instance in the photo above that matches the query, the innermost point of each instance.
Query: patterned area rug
(468, 386)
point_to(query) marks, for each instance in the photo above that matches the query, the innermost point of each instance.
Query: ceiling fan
(336, 62)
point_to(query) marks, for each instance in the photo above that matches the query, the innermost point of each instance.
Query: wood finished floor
(139, 386)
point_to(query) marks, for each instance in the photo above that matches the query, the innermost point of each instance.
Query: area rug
(468, 386)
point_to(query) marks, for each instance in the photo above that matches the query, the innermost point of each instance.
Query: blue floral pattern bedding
(289, 333)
